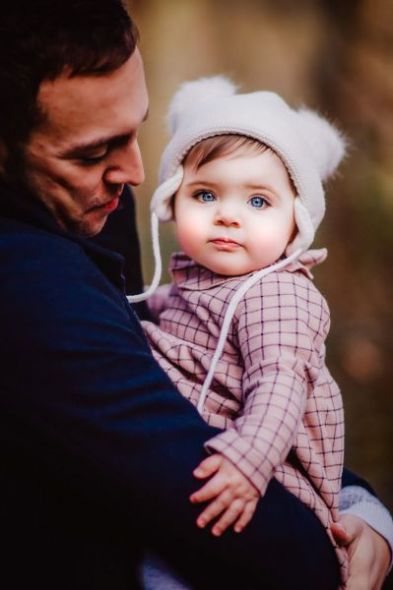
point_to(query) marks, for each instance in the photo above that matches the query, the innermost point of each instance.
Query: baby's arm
(280, 325)
(232, 497)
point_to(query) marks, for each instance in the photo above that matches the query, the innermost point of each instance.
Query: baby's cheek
(189, 235)
(274, 236)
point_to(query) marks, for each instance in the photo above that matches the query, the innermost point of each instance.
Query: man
(97, 448)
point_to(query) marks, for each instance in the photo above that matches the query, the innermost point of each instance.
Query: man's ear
(3, 156)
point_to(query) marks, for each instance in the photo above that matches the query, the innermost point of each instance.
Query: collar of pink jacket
(190, 275)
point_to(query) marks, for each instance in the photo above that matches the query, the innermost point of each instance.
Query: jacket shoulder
(21, 243)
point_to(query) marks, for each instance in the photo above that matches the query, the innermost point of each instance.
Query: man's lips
(111, 205)
(108, 206)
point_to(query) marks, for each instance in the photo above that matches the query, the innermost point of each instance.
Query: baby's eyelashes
(204, 196)
(258, 202)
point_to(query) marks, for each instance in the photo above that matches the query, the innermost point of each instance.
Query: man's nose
(126, 166)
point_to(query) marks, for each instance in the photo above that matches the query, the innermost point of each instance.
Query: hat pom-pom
(328, 145)
(201, 90)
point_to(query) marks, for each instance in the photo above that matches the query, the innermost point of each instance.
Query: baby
(241, 331)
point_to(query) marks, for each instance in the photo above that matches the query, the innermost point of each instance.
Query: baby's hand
(233, 496)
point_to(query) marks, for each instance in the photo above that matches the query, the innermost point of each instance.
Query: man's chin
(88, 229)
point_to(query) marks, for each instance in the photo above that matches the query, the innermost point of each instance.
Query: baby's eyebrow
(257, 186)
(201, 182)
(249, 186)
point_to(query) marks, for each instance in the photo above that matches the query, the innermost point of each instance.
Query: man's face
(79, 159)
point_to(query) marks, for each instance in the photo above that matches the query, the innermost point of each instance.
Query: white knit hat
(310, 147)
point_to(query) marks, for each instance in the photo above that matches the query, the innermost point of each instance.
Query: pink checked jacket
(272, 393)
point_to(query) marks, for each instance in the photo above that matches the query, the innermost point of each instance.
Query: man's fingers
(208, 466)
(345, 530)
(358, 584)
(214, 509)
(340, 534)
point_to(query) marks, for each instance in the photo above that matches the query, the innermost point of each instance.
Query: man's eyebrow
(92, 145)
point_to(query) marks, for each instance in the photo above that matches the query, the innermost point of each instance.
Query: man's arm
(366, 528)
(357, 498)
(368, 552)
(100, 412)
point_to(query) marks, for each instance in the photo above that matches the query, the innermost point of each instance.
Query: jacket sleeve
(281, 323)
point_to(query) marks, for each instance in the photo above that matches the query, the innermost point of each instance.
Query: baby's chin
(231, 270)
(235, 268)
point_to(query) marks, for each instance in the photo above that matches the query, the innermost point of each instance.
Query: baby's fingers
(213, 488)
(208, 466)
(214, 509)
(245, 516)
(229, 517)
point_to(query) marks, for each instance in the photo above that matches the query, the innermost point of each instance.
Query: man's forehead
(126, 81)
(108, 104)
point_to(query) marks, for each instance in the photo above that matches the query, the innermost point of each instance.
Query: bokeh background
(335, 56)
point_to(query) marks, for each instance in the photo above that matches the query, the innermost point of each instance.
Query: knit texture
(308, 144)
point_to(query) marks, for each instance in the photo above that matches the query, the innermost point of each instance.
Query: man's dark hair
(41, 39)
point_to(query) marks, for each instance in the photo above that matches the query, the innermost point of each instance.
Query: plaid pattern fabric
(272, 393)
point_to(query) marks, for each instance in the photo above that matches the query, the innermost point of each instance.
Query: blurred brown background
(337, 57)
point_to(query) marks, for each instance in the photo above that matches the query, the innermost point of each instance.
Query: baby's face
(235, 214)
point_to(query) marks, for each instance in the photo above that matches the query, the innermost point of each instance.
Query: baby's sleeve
(157, 302)
(281, 326)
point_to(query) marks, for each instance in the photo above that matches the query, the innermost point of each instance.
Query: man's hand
(233, 496)
(369, 555)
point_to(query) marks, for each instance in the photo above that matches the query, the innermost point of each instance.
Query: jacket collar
(20, 205)
(189, 275)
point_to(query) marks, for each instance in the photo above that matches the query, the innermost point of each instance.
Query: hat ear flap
(305, 229)
(162, 196)
(327, 144)
(198, 91)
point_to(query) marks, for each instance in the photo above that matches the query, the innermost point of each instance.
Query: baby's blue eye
(205, 197)
(257, 202)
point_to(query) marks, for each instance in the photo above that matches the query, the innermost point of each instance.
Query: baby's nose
(228, 216)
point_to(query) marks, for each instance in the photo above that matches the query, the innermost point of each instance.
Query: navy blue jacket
(96, 446)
